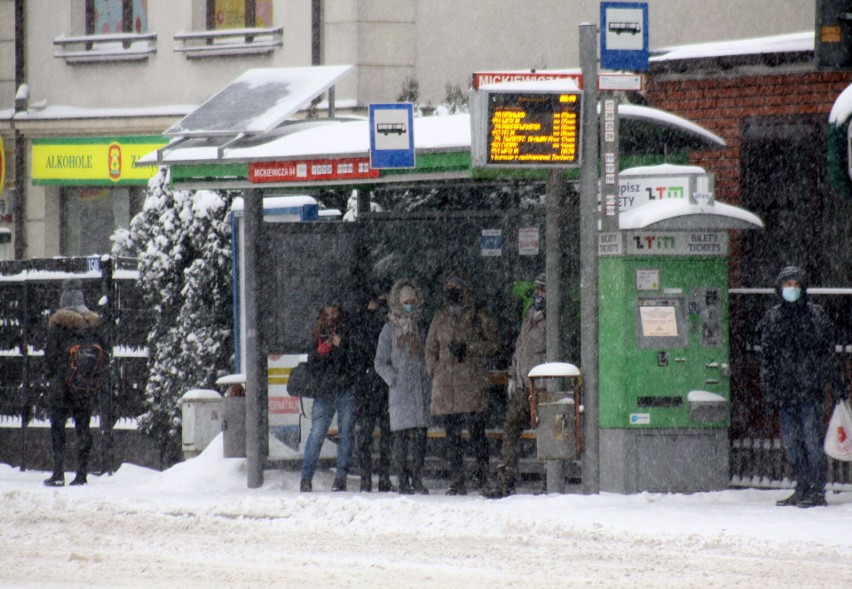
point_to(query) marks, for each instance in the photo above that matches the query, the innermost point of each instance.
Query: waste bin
(556, 414)
(234, 423)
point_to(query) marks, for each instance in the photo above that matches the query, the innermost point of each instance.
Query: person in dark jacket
(371, 393)
(530, 351)
(461, 337)
(400, 362)
(332, 364)
(798, 361)
(72, 324)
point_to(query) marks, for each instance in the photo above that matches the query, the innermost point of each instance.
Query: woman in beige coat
(460, 339)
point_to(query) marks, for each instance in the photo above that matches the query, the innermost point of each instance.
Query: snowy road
(197, 525)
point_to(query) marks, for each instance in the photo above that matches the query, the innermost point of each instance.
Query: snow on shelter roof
(789, 43)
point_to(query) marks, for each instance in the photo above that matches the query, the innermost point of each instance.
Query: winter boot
(405, 487)
(385, 484)
(366, 484)
(305, 486)
(457, 487)
(418, 486)
(339, 484)
(505, 484)
(57, 479)
(80, 479)
(792, 500)
(812, 499)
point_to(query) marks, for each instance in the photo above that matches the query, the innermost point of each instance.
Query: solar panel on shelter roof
(258, 101)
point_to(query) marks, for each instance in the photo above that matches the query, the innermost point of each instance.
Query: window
(90, 215)
(105, 17)
(238, 14)
(115, 30)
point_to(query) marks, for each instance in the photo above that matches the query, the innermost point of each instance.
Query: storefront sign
(312, 170)
(93, 161)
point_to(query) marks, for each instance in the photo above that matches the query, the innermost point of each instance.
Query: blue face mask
(791, 294)
(408, 307)
(539, 303)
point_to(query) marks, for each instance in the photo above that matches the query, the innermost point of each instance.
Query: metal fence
(29, 294)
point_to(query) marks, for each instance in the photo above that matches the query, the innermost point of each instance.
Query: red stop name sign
(485, 78)
(311, 170)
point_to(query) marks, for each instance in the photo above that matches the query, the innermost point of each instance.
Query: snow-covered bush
(182, 242)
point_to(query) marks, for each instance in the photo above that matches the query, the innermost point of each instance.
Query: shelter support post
(553, 269)
(256, 381)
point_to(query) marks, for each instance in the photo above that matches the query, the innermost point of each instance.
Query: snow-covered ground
(198, 525)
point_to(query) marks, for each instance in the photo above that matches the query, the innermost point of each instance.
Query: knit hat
(72, 294)
(541, 281)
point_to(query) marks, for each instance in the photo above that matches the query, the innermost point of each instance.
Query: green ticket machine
(664, 386)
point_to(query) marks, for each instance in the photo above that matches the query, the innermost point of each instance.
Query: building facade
(86, 86)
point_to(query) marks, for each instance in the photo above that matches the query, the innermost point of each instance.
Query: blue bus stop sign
(391, 135)
(624, 36)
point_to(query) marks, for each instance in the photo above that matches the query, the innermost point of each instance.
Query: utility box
(664, 392)
(201, 413)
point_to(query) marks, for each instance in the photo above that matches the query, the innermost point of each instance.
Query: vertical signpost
(624, 46)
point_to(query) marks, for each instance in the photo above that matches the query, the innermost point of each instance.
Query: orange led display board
(528, 129)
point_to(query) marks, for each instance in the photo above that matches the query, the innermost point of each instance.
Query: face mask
(791, 294)
(408, 307)
(539, 303)
(454, 309)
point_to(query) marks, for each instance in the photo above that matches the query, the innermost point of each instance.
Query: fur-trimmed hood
(394, 305)
(74, 319)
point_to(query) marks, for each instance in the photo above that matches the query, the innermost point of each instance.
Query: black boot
(385, 484)
(339, 484)
(305, 486)
(57, 479)
(812, 499)
(458, 486)
(418, 487)
(405, 487)
(504, 486)
(791, 500)
(366, 484)
(80, 479)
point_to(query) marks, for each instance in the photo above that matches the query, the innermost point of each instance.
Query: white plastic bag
(838, 438)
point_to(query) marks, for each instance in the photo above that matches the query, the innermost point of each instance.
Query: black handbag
(300, 382)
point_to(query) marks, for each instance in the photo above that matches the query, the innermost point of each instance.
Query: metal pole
(554, 469)
(255, 377)
(589, 259)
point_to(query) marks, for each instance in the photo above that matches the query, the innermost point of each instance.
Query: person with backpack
(75, 358)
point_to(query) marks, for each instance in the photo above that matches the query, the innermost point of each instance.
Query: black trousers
(475, 422)
(410, 443)
(62, 403)
(366, 424)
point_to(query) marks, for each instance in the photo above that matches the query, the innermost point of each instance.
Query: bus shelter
(441, 214)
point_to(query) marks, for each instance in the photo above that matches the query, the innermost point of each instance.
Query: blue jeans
(802, 434)
(321, 416)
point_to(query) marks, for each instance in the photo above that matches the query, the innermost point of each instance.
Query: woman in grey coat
(400, 362)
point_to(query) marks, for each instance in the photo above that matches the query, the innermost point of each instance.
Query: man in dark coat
(371, 393)
(798, 361)
(530, 351)
(71, 325)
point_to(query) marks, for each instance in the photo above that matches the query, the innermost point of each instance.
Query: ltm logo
(650, 242)
(663, 192)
